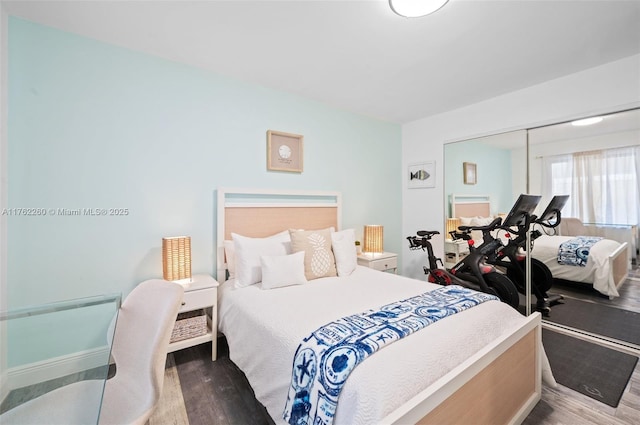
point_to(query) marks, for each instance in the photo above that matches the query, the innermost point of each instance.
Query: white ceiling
(626, 121)
(358, 55)
(619, 122)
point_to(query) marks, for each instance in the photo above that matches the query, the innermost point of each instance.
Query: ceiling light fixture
(415, 8)
(586, 121)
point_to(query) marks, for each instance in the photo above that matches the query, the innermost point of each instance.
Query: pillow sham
(343, 244)
(248, 269)
(316, 244)
(282, 270)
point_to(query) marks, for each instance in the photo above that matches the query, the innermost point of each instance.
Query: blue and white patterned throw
(324, 359)
(575, 252)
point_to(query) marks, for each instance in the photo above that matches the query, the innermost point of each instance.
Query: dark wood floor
(217, 392)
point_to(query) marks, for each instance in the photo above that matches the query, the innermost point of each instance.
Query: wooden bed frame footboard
(619, 263)
(499, 385)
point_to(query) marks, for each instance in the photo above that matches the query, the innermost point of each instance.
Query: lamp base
(182, 281)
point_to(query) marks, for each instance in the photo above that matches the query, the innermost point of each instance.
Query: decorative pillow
(248, 252)
(230, 255)
(344, 250)
(282, 270)
(318, 259)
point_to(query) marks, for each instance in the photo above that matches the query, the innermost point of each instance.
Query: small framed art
(422, 175)
(284, 151)
(470, 173)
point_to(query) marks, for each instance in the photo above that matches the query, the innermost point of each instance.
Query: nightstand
(200, 293)
(455, 251)
(384, 261)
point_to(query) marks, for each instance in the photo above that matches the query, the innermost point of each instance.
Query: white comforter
(264, 328)
(597, 270)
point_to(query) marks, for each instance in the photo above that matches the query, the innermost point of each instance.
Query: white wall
(121, 129)
(607, 88)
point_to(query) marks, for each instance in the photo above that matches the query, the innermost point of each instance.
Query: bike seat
(495, 223)
(427, 232)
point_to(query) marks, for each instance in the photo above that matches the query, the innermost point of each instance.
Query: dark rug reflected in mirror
(612, 322)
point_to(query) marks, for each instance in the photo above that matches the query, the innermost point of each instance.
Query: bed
(606, 269)
(423, 378)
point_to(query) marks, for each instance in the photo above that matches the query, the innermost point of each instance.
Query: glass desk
(48, 347)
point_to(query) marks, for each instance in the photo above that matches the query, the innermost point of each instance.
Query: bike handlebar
(546, 223)
(491, 226)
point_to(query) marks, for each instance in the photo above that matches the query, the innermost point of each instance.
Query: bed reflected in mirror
(549, 161)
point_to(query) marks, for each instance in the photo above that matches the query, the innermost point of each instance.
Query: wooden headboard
(258, 213)
(470, 206)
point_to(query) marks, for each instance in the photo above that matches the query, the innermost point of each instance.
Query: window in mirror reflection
(597, 165)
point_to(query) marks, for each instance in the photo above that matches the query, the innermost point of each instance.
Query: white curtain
(604, 185)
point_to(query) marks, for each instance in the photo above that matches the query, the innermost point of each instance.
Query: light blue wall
(494, 174)
(97, 126)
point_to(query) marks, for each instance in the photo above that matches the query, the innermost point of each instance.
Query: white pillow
(282, 270)
(481, 221)
(466, 221)
(343, 244)
(248, 252)
(230, 255)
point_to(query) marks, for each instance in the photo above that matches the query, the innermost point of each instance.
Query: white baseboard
(4, 386)
(34, 373)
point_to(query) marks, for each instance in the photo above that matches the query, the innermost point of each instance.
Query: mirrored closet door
(597, 162)
(483, 177)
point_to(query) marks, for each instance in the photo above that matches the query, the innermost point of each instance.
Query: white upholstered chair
(140, 341)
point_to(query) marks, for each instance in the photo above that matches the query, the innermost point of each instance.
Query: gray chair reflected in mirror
(140, 341)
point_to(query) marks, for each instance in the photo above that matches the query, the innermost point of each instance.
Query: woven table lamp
(452, 225)
(176, 258)
(373, 238)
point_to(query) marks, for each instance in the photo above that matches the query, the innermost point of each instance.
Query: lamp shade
(373, 238)
(176, 258)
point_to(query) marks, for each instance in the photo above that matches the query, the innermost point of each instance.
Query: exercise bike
(471, 271)
(512, 258)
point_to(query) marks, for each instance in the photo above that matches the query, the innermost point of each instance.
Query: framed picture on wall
(422, 175)
(284, 151)
(470, 173)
